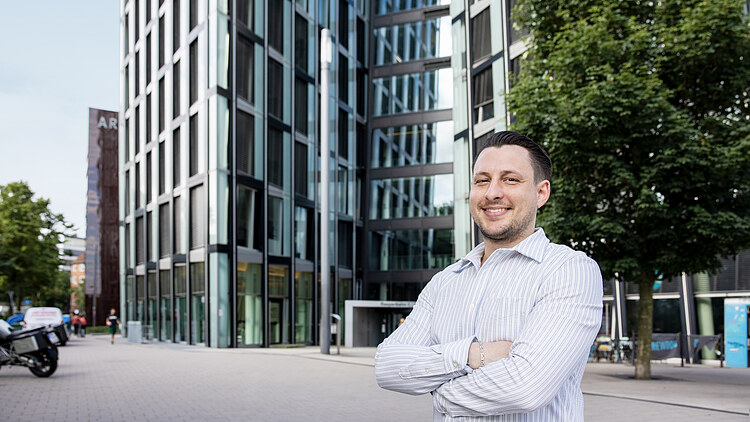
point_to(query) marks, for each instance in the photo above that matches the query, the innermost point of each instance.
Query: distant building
(77, 278)
(70, 250)
(102, 285)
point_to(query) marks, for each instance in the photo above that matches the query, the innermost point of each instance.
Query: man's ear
(542, 193)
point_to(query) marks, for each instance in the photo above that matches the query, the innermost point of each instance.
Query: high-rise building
(220, 156)
(102, 281)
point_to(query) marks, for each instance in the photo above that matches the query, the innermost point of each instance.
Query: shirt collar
(533, 247)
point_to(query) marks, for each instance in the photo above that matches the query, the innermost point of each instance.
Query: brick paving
(96, 381)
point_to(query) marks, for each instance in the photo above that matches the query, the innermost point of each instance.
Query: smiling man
(504, 333)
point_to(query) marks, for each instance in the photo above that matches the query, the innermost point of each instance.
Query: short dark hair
(540, 161)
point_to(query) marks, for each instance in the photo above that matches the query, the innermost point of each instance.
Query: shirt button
(455, 365)
(426, 371)
(471, 306)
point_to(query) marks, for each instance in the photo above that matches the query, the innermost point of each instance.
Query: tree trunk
(645, 327)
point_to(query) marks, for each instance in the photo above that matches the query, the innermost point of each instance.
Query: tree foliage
(29, 235)
(644, 108)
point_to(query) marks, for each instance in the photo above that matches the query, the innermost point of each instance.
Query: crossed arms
(552, 345)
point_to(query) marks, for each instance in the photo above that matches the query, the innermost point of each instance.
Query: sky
(57, 60)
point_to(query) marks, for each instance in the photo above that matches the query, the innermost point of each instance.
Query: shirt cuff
(448, 359)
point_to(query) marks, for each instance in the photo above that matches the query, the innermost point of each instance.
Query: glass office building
(220, 156)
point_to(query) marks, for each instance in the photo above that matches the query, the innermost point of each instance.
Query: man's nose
(494, 190)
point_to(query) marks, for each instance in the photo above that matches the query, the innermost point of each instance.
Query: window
(162, 39)
(137, 13)
(126, 92)
(179, 232)
(137, 73)
(245, 149)
(128, 255)
(164, 230)
(245, 69)
(344, 244)
(148, 58)
(300, 169)
(481, 35)
(138, 186)
(247, 212)
(275, 89)
(126, 200)
(194, 148)
(162, 168)
(303, 234)
(148, 11)
(148, 118)
(245, 12)
(430, 143)
(193, 14)
(275, 157)
(343, 134)
(176, 161)
(127, 140)
(197, 217)
(137, 129)
(176, 24)
(149, 237)
(300, 106)
(162, 100)
(301, 39)
(484, 104)
(343, 79)
(344, 23)
(249, 304)
(148, 178)
(193, 72)
(176, 90)
(276, 25)
(278, 226)
(139, 244)
(427, 196)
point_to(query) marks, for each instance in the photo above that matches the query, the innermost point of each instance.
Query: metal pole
(325, 308)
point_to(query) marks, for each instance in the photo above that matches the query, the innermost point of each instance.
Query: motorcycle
(34, 349)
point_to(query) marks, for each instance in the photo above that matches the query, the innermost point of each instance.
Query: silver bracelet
(481, 354)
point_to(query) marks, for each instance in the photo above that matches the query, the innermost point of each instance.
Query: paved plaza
(96, 381)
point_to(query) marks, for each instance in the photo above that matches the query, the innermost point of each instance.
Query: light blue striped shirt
(546, 298)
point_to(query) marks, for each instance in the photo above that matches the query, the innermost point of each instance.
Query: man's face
(504, 197)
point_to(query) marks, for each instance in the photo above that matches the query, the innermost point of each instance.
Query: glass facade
(220, 198)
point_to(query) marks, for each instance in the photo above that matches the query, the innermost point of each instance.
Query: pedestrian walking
(504, 333)
(76, 321)
(82, 322)
(112, 322)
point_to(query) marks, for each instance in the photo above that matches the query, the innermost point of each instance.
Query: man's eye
(511, 180)
(480, 181)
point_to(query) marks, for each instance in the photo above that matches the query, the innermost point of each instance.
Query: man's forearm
(416, 369)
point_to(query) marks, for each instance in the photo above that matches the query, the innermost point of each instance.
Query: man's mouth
(496, 211)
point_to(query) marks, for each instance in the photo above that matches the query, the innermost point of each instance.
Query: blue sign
(736, 332)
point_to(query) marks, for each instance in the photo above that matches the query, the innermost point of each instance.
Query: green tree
(29, 235)
(643, 107)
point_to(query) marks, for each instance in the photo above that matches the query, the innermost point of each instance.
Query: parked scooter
(33, 349)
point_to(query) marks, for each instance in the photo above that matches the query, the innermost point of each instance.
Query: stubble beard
(513, 232)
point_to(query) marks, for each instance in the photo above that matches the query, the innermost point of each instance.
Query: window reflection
(412, 145)
(413, 92)
(412, 197)
(410, 249)
(413, 41)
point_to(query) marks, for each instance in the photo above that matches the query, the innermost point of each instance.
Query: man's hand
(493, 351)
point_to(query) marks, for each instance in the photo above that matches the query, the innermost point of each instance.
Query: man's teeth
(496, 210)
